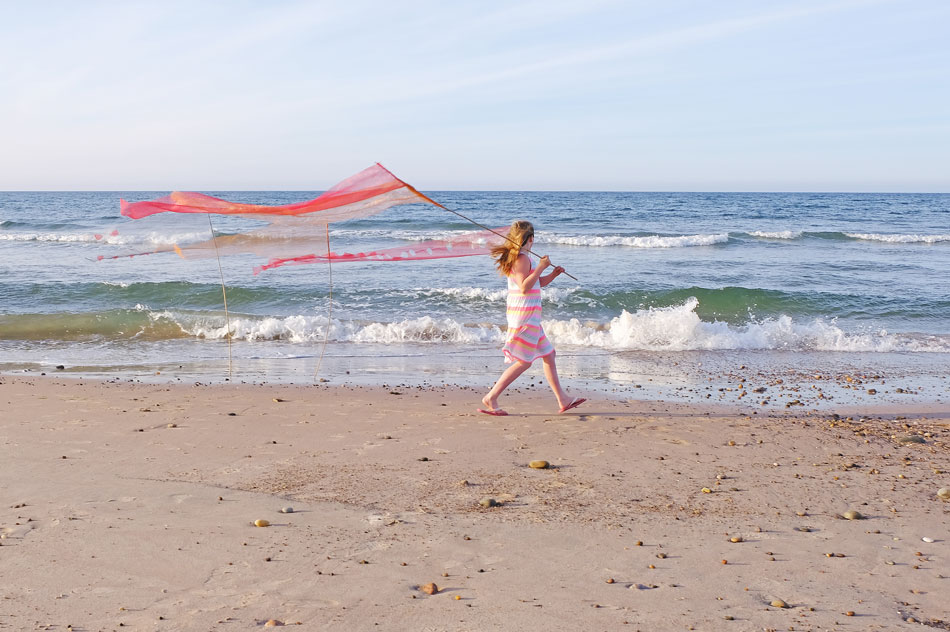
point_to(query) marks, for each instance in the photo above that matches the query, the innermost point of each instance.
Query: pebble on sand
(943, 493)
(430, 588)
(287, 510)
(273, 623)
(260, 522)
(778, 603)
(539, 465)
(488, 502)
(851, 514)
(736, 538)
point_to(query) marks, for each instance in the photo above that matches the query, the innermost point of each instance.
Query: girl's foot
(574, 403)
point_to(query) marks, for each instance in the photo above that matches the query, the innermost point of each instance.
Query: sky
(733, 95)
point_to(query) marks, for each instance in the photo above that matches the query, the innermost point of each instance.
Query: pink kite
(371, 191)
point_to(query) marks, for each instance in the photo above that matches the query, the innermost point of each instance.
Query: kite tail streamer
(224, 294)
(326, 337)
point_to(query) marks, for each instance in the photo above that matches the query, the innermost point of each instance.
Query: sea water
(674, 292)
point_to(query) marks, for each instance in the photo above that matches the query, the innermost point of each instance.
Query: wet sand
(133, 505)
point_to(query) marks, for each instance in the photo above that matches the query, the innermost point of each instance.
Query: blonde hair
(507, 253)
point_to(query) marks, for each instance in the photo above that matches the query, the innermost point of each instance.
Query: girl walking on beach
(526, 341)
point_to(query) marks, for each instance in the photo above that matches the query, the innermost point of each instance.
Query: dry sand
(113, 519)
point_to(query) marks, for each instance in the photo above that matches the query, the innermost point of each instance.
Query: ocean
(679, 296)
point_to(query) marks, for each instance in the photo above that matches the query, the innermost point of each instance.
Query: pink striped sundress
(526, 341)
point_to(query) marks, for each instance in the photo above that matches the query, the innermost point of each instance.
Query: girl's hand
(558, 270)
(544, 262)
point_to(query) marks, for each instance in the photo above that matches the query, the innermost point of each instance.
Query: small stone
(849, 613)
(488, 502)
(638, 543)
(851, 514)
(728, 617)
(927, 540)
(725, 561)
(286, 510)
(731, 442)
(172, 426)
(610, 580)
(363, 562)
(425, 458)
(458, 597)
(911, 439)
(943, 493)
(430, 588)
(778, 603)
(706, 490)
(539, 465)
(273, 623)
(736, 538)
(661, 556)
(260, 522)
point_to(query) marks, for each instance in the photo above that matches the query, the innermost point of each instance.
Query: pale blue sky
(591, 95)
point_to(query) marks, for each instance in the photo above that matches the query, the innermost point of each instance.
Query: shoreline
(150, 525)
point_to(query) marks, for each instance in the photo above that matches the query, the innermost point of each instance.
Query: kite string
(499, 234)
(326, 337)
(224, 294)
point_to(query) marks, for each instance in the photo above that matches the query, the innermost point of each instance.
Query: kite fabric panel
(370, 191)
(465, 245)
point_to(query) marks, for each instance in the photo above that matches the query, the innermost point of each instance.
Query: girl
(526, 340)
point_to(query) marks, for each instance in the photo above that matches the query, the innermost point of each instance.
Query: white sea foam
(900, 239)
(676, 328)
(647, 241)
(121, 239)
(780, 234)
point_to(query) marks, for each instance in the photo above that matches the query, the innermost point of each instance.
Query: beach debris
(778, 603)
(724, 561)
(911, 439)
(927, 540)
(610, 580)
(278, 400)
(260, 522)
(731, 442)
(286, 510)
(638, 543)
(539, 465)
(463, 483)
(172, 425)
(706, 490)
(852, 514)
(430, 588)
(424, 458)
(849, 613)
(943, 493)
(728, 617)
(488, 502)
(661, 556)
(736, 538)
(273, 623)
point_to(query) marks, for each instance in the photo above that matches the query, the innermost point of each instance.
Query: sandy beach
(130, 505)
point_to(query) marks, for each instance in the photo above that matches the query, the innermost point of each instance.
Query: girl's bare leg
(550, 372)
(510, 375)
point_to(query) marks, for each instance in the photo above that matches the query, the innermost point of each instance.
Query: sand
(131, 505)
